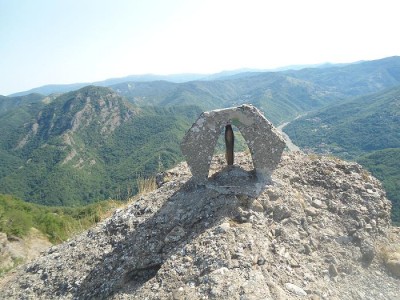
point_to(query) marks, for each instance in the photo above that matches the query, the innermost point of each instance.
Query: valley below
(289, 143)
(71, 155)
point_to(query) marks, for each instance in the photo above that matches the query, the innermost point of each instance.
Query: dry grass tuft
(146, 185)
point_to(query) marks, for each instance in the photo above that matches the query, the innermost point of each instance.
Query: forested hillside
(87, 145)
(366, 129)
(93, 143)
(281, 95)
(355, 79)
(352, 127)
(10, 103)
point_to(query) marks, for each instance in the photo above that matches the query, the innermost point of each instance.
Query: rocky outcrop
(316, 232)
(97, 110)
(393, 262)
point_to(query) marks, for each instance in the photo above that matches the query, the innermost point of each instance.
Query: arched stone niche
(264, 141)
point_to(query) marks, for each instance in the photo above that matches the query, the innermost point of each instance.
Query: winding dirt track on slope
(291, 146)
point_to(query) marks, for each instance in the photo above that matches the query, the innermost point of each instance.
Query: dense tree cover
(281, 95)
(9, 103)
(65, 153)
(57, 223)
(352, 127)
(91, 144)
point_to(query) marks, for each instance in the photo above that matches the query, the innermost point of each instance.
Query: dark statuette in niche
(229, 143)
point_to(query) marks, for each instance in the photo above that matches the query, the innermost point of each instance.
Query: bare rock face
(314, 233)
(393, 263)
(391, 257)
(6, 261)
(265, 142)
(14, 250)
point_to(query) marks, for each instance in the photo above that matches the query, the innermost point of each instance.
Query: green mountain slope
(366, 129)
(353, 127)
(31, 227)
(87, 145)
(9, 103)
(93, 143)
(281, 95)
(355, 79)
(385, 165)
(17, 217)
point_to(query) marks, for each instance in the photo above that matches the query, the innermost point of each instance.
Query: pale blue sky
(54, 41)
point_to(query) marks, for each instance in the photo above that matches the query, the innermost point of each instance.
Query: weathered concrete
(264, 141)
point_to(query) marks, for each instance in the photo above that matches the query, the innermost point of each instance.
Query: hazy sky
(66, 41)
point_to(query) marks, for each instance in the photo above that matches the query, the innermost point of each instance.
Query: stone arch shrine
(264, 141)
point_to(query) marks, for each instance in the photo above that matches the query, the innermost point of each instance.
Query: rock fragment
(295, 289)
(393, 262)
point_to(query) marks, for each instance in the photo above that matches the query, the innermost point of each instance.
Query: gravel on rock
(320, 230)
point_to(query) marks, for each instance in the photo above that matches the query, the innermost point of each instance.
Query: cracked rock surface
(320, 230)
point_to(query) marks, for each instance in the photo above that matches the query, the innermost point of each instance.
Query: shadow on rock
(161, 233)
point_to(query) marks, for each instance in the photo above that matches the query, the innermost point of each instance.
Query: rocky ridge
(320, 230)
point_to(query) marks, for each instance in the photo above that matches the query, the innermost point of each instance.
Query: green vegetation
(86, 146)
(385, 165)
(57, 223)
(280, 96)
(9, 103)
(355, 79)
(94, 143)
(366, 129)
(240, 143)
(353, 127)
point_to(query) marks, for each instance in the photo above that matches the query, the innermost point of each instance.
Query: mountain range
(282, 95)
(93, 143)
(86, 145)
(177, 78)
